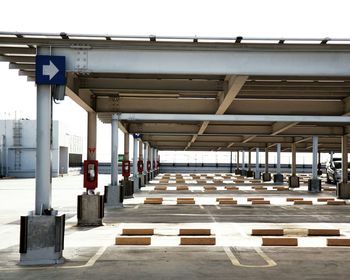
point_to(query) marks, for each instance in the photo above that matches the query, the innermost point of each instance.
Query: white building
(18, 149)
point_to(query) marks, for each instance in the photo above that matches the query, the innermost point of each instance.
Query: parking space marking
(269, 262)
(89, 263)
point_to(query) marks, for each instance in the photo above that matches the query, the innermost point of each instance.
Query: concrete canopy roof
(112, 74)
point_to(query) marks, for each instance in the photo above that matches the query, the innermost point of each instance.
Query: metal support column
(43, 152)
(92, 133)
(278, 177)
(314, 184)
(243, 171)
(126, 146)
(345, 162)
(114, 197)
(343, 187)
(134, 167)
(237, 171)
(151, 160)
(266, 175)
(42, 231)
(294, 181)
(257, 169)
(250, 172)
(145, 159)
(278, 169)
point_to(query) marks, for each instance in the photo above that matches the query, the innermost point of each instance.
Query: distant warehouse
(18, 149)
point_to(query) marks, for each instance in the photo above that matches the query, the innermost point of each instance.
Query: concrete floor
(91, 253)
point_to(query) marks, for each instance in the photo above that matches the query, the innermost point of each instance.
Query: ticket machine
(126, 168)
(90, 174)
(140, 166)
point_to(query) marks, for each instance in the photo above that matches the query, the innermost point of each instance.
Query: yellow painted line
(218, 207)
(89, 263)
(269, 262)
(201, 206)
(137, 206)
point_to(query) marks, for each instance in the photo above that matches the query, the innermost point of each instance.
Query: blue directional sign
(50, 70)
(137, 135)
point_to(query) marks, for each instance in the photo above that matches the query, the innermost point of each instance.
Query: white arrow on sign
(50, 70)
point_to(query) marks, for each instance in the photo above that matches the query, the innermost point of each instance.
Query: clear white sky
(250, 18)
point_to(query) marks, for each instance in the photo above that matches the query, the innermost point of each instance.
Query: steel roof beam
(345, 120)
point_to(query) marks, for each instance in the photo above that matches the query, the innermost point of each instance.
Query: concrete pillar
(314, 184)
(237, 171)
(278, 177)
(343, 187)
(294, 181)
(250, 172)
(43, 151)
(266, 175)
(114, 195)
(134, 167)
(92, 133)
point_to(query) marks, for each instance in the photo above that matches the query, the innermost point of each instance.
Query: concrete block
(153, 200)
(302, 202)
(314, 185)
(90, 210)
(266, 177)
(186, 202)
(194, 231)
(231, 188)
(343, 190)
(160, 188)
(329, 189)
(294, 199)
(255, 198)
(133, 241)
(323, 232)
(278, 178)
(324, 199)
(336, 202)
(238, 171)
(238, 181)
(185, 198)
(41, 240)
(224, 198)
(279, 242)
(198, 241)
(225, 202)
(293, 182)
(182, 188)
(260, 202)
(267, 232)
(164, 181)
(128, 187)
(338, 242)
(282, 189)
(138, 231)
(260, 188)
(210, 188)
(250, 174)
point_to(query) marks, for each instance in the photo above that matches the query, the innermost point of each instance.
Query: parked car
(334, 170)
